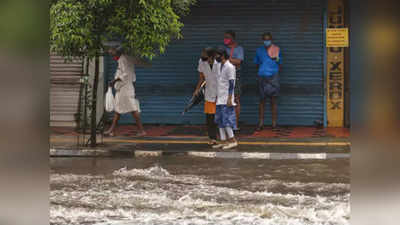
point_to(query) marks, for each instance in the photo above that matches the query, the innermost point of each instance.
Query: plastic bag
(109, 104)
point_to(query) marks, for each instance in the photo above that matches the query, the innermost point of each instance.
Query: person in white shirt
(225, 115)
(208, 71)
(124, 84)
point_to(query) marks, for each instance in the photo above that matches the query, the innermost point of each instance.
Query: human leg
(261, 108)
(136, 115)
(211, 127)
(110, 131)
(274, 111)
(237, 111)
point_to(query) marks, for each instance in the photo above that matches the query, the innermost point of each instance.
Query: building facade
(314, 78)
(308, 93)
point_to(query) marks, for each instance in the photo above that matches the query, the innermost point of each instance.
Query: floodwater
(177, 190)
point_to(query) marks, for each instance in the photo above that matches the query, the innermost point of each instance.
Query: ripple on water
(154, 196)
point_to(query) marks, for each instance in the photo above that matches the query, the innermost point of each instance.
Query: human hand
(196, 92)
(229, 103)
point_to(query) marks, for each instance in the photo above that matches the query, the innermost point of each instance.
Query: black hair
(209, 51)
(232, 33)
(222, 51)
(266, 34)
(120, 50)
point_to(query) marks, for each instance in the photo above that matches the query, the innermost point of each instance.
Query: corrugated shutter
(297, 27)
(64, 90)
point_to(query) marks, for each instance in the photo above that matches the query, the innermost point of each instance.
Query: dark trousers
(211, 126)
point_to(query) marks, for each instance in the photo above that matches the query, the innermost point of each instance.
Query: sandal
(212, 142)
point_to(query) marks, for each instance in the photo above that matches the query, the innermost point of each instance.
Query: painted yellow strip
(275, 143)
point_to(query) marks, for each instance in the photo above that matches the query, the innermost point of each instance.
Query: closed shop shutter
(297, 27)
(64, 90)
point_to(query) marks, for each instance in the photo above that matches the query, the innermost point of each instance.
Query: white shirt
(228, 72)
(211, 79)
(126, 69)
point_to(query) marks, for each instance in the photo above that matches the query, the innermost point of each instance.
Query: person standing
(225, 111)
(236, 57)
(268, 60)
(208, 70)
(124, 84)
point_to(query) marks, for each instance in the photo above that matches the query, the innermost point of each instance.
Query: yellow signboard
(337, 37)
(336, 40)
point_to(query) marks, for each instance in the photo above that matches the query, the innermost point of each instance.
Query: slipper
(212, 142)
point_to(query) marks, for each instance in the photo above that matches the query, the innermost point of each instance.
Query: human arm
(230, 92)
(112, 83)
(202, 78)
(235, 62)
(198, 86)
(231, 73)
(122, 74)
(257, 61)
(279, 61)
(238, 58)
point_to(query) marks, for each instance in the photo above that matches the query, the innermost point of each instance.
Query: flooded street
(177, 190)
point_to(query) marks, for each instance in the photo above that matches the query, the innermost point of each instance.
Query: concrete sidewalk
(282, 143)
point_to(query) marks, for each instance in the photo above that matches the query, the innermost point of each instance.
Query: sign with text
(337, 37)
(335, 63)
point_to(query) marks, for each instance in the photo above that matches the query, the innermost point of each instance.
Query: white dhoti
(125, 101)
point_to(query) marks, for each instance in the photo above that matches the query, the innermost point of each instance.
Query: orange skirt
(210, 107)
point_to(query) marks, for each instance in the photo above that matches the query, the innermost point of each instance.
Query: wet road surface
(184, 190)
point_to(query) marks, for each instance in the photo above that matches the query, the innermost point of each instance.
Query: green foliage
(146, 27)
(182, 7)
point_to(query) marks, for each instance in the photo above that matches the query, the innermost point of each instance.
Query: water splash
(151, 172)
(155, 196)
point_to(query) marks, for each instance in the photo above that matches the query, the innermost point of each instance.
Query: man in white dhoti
(124, 84)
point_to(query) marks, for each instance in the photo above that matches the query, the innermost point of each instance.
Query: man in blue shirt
(236, 57)
(268, 61)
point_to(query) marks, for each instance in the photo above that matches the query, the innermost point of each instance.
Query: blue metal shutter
(296, 26)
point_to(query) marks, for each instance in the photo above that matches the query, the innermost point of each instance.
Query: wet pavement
(176, 190)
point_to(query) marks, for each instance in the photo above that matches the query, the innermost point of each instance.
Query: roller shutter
(297, 27)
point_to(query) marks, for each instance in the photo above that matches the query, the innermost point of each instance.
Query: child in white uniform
(208, 69)
(225, 115)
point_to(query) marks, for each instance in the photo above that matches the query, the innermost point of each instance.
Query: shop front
(298, 27)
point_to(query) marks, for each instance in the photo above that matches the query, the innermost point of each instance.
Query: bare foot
(141, 134)
(109, 133)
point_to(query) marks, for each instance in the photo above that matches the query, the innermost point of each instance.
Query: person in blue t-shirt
(268, 60)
